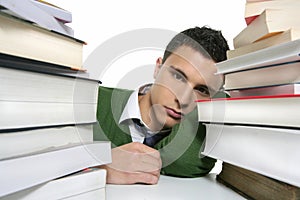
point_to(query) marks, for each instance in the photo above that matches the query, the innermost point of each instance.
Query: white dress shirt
(132, 111)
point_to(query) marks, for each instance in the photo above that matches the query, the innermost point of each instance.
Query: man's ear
(158, 66)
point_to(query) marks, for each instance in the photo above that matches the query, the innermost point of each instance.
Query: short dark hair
(207, 41)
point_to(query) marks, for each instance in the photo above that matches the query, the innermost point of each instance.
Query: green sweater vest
(180, 150)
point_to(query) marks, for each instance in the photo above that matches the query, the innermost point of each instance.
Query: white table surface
(174, 189)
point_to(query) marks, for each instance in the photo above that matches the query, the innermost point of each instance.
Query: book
(30, 86)
(15, 62)
(28, 10)
(18, 142)
(286, 36)
(27, 171)
(78, 183)
(270, 111)
(253, 9)
(275, 55)
(284, 89)
(23, 39)
(39, 114)
(253, 185)
(33, 99)
(262, 77)
(267, 24)
(55, 11)
(272, 152)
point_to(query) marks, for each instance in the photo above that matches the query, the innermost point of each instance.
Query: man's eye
(203, 91)
(178, 77)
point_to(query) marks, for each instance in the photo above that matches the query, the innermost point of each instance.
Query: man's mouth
(173, 113)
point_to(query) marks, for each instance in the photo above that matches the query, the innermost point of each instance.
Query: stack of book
(256, 132)
(268, 22)
(48, 109)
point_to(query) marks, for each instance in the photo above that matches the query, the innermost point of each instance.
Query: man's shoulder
(103, 90)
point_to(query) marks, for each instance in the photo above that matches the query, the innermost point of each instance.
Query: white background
(98, 21)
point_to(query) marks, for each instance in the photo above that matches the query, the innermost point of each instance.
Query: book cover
(55, 11)
(253, 185)
(28, 10)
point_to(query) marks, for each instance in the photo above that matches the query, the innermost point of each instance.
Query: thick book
(16, 62)
(253, 185)
(286, 36)
(31, 170)
(31, 99)
(16, 115)
(24, 39)
(79, 183)
(275, 111)
(265, 76)
(269, 23)
(273, 152)
(256, 8)
(18, 142)
(266, 91)
(275, 55)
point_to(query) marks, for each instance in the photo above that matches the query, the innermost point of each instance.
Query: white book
(16, 114)
(28, 86)
(68, 187)
(29, 11)
(27, 171)
(265, 76)
(274, 55)
(273, 152)
(24, 39)
(33, 99)
(279, 110)
(21, 142)
(57, 12)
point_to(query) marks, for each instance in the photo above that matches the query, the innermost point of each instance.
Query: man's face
(185, 77)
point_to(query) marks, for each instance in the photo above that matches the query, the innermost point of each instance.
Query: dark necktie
(150, 139)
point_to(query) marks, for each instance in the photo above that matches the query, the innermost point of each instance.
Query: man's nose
(185, 97)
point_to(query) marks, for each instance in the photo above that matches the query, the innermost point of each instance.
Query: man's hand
(134, 163)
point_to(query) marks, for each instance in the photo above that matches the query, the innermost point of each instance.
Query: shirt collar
(132, 109)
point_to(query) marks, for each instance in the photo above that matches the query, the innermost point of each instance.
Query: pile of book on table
(256, 132)
(48, 108)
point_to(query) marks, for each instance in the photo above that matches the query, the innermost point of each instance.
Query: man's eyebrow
(179, 71)
(210, 89)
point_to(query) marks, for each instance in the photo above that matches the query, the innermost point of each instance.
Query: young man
(163, 110)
